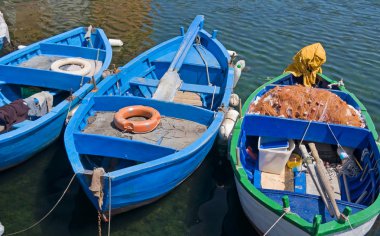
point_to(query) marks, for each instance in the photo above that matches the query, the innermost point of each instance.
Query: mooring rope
(347, 218)
(286, 211)
(109, 205)
(68, 110)
(47, 214)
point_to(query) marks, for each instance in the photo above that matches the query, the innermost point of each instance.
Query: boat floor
(43, 62)
(285, 181)
(40, 62)
(171, 132)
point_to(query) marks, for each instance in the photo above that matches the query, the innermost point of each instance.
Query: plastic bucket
(273, 156)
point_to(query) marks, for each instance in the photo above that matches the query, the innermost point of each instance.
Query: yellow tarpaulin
(307, 63)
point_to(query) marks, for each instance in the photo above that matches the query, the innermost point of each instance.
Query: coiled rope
(47, 214)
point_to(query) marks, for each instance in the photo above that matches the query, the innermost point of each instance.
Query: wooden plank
(188, 98)
(196, 88)
(41, 78)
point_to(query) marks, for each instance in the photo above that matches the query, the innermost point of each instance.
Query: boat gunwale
(330, 227)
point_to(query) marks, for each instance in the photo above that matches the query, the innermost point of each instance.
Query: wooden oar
(314, 177)
(325, 182)
(171, 81)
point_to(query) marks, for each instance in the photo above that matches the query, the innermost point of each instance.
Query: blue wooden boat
(28, 70)
(298, 209)
(140, 168)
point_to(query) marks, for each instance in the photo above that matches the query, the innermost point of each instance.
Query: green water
(265, 33)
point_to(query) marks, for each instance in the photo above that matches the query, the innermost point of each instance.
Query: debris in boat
(39, 103)
(297, 101)
(12, 113)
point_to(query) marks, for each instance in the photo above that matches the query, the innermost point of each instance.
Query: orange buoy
(137, 126)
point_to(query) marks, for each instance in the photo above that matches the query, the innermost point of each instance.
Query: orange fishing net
(306, 103)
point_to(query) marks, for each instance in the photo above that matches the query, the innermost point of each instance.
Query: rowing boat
(296, 202)
(45, 67)
(139, 168)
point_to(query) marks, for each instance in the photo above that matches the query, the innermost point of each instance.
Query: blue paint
(143, 172)
(301, 203)
(299, 182)
(31, 136)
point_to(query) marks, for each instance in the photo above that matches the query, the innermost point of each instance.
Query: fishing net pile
(306, 103)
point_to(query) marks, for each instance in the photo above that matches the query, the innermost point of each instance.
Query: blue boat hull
(135, 191)
(27, 144)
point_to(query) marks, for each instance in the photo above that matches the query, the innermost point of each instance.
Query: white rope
(347, 218)
(81, 82)
(118, 87)
(328, 125)
(213, 96)
(68, 111)
(206, 65)
(47, 214)
(97, 58)
(304, 134)
(286, 210)
(109, 205)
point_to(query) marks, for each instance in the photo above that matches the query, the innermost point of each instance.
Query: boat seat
(195, 88)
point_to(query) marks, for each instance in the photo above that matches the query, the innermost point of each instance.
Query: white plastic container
(116, 42)
(239, 66)
(228, 124)
(274, 158)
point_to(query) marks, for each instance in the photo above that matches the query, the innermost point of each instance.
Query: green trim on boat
(331, 227)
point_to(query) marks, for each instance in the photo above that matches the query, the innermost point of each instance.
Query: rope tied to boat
(347, 219)
(286, 211)
(96, 188)
(109, 204)
(198, 45)
(71, 98)
(49, 212)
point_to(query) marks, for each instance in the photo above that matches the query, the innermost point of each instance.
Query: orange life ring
(137, 126)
